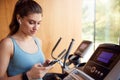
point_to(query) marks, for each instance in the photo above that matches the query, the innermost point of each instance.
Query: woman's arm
(17, 77)
(5, 55)
(6, 52)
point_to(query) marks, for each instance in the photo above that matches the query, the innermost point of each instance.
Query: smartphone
(52, 62)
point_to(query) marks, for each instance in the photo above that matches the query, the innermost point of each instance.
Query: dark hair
(23, 8)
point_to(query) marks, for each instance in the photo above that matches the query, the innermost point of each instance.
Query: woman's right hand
(37, 71)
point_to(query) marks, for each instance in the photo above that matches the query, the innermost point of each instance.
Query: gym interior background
(79, 19)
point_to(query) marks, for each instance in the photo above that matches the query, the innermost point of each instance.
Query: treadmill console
(102, 61)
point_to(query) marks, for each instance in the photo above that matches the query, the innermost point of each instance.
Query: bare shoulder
(5, 42)
(6, 45)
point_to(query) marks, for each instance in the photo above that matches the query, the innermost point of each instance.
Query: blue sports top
(23, 61)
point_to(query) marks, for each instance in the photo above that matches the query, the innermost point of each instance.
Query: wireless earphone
(19, 21)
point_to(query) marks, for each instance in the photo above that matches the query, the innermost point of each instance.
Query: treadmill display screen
(105, 57)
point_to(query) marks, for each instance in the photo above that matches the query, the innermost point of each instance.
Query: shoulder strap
(13, 40)
(37, 41)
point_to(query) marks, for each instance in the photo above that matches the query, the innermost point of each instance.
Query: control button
(88, 67)
(93, 69)
(98, 72)
(101, 74)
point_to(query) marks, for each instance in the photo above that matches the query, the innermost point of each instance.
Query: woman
(21, 57)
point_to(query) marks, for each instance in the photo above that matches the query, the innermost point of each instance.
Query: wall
(61, 18)
(6, 9)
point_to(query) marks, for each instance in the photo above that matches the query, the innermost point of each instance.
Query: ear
(18, 18)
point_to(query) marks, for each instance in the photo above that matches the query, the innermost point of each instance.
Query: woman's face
(30, 24)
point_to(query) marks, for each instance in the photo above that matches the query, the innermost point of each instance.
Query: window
(101, 21)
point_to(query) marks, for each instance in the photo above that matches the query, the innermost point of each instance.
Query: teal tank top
(23, 61)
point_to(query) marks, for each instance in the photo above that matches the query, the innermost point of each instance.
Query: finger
(38, 65)
(42, 68)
